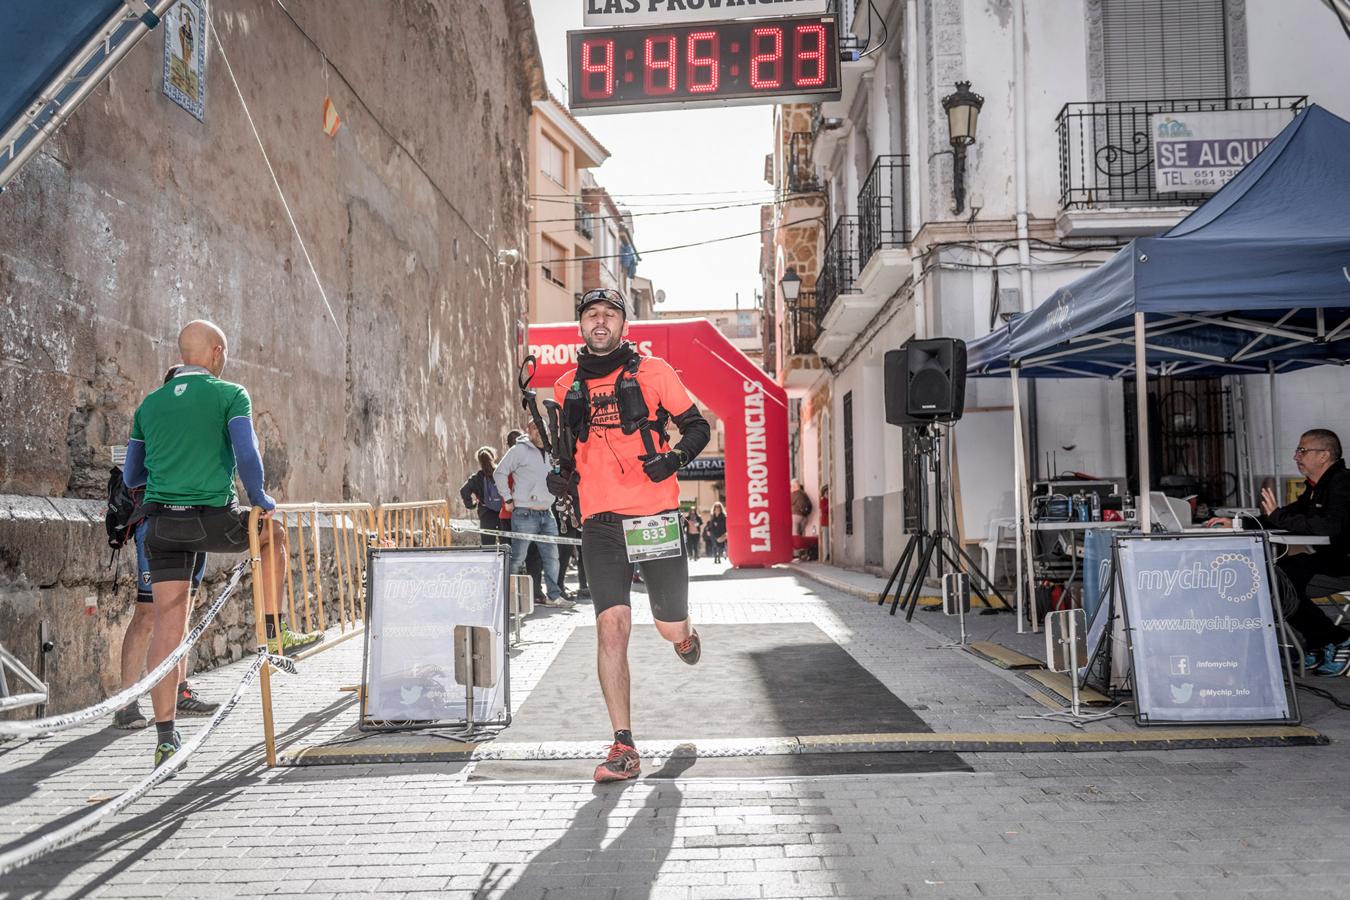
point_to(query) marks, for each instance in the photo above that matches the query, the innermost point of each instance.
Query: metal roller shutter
(1165, 49)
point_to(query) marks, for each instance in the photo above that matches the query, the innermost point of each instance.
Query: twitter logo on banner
(1182, 693)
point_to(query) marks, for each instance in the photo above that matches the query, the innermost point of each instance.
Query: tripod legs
(923, 549)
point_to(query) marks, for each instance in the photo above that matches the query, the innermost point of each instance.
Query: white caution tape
(518, 536)
(38, 727)
(62, 836)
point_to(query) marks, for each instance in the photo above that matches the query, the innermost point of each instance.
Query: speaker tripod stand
(927, 546)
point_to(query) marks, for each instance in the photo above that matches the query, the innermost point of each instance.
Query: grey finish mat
(754, 681)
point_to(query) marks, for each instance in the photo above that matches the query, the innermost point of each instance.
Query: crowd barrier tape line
(37, 727)
(69, 832)
(516, 535)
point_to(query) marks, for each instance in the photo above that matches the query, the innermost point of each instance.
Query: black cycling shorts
(609, 574)
(176, 534)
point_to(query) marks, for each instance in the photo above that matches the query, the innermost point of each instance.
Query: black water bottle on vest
(926, 382)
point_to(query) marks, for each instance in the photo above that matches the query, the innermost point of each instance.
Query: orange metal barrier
(323, 566)
(424, 523)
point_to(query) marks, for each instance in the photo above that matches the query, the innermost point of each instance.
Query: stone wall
(137, 218)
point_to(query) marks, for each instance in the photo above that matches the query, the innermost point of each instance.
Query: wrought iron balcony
(1106, 149)
(839, 268)
(883, 207)
(585, 221)
(801, 171)
(801, 326)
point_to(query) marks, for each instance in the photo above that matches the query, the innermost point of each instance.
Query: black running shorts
(176, 534)
(610, 575)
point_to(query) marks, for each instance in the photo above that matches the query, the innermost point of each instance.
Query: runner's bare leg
(612, 629)
(171, 617)
(675, 632)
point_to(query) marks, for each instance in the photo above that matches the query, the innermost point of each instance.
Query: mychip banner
(1202, 629)
(415, 600)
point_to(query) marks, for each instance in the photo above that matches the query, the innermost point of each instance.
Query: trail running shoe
(690, 649)
(167, 749)
(1335, 659)
(1312, 659)
(621, 764)
(129, 717)
(294, 641)
(189, 704)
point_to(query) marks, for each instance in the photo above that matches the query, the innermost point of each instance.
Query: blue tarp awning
(1255, 280)
(38, 40)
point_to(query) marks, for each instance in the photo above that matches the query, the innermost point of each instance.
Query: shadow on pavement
(212, 788)
(577, 862)
(20, 783)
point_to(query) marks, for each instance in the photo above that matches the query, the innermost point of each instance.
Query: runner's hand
(560, 484)
(660, 466)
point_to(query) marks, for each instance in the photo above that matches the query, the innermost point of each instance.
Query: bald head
(201, 343)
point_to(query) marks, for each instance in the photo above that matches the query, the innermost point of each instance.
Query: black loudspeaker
(926, 382)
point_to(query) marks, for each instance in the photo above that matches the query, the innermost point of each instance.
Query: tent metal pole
(1141, 421)
(1274, 433)
(1019, 513)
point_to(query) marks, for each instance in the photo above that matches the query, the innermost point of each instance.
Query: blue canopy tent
(1256, 280)
(53, 53)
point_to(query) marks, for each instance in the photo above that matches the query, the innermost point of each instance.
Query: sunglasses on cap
(602, 295)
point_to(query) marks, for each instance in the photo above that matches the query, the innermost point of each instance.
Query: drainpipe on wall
(912, 147)
(1023, 216)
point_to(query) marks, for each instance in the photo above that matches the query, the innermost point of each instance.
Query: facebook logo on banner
(1181, 665)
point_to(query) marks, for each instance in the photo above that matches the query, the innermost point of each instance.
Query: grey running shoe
(690, 649)
(189, 704)
(129, 717)
(557, 603)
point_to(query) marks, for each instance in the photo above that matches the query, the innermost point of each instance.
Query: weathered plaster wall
(138, 218)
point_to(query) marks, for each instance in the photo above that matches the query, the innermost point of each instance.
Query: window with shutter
(1164, 49)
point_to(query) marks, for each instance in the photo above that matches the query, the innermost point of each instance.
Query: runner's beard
(615, 338)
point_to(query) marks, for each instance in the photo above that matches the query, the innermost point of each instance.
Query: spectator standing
(716, 530)
(136, 641)
(534, 566)
(522, 481)
(693, 532)
(801, 508)
(824, 523)
(480, 493)
(188, 438)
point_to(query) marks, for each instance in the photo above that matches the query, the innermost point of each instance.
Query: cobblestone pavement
(1220, 823)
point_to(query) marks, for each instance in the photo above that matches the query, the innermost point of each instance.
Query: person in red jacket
(616, 405)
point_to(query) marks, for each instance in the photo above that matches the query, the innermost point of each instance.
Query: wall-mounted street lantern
(963, 114)
(791, 283)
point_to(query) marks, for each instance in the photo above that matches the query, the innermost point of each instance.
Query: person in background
(716, 530)
(534, 565)
(693, 532)
(136, 641)
(801, 508)
(568, 528)
(522, 481)
(1322, 509)
(480, 493)
(824, 523)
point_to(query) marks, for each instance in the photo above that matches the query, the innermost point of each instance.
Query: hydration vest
(634, 414)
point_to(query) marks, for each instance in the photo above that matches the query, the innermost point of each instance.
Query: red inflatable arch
(752, 408)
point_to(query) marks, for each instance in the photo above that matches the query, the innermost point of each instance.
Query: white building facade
(1059, 176)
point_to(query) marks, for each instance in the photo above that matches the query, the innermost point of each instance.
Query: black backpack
(124, 511)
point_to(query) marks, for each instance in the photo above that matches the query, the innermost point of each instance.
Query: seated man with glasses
(1322, 509)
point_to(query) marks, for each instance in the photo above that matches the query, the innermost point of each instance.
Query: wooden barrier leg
(260, 631)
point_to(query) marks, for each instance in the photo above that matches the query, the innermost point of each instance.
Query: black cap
(603, 295)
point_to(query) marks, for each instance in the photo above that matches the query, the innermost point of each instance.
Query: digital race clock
(723, 63)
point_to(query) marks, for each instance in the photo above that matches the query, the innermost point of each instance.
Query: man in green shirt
(187, 438)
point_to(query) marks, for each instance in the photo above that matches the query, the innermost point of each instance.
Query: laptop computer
(1174, 515)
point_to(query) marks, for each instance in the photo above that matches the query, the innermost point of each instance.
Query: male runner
(616, 404)
(186, 440)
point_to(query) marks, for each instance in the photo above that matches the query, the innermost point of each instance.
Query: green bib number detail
(652, 537)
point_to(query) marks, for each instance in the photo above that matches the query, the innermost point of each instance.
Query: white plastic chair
(995, 541)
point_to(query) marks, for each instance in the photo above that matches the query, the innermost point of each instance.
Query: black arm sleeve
(694, 431)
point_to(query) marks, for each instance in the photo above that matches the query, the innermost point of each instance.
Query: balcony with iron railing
(801, 168)
(585, 221)
(883, 208)
(1106, 154)
(801, 327)
(839, 268)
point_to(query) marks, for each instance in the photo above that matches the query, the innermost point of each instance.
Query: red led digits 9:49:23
(722, 63)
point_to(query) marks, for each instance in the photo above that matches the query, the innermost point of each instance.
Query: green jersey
(184, 426)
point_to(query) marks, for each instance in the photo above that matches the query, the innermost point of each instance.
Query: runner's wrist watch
(681, 456)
